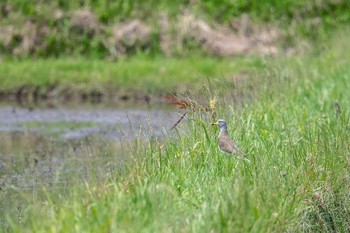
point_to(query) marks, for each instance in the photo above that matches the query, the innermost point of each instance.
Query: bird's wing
(226, 144)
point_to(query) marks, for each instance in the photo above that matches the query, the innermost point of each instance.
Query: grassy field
(295, 133)
(143, 74)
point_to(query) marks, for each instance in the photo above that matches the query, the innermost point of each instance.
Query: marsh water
(49, 148)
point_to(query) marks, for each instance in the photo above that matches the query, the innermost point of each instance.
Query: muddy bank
(63, 94)
(60, 32)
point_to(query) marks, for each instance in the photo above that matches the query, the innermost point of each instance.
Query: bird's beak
(215, 123)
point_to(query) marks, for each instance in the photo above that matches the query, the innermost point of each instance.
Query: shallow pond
(52, 148)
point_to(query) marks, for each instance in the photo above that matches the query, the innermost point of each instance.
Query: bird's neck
(223, 130)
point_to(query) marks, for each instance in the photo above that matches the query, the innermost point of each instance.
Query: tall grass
(296, 138)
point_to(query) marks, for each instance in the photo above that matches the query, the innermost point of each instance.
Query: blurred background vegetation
(111, 29)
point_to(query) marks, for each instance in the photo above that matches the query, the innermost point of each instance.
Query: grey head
(222, 125)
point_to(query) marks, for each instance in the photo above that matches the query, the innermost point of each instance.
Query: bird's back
(226, 144)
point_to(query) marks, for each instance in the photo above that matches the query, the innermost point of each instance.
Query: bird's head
(221, 123)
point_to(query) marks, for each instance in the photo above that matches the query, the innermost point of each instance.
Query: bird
(226, 144)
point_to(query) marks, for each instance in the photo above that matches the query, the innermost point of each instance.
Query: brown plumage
(226, 144)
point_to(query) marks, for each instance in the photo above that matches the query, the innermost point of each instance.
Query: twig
(183, 115)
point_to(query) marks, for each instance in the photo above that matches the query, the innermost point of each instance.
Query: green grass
(139, 74)
(297, 180)
(216, 10)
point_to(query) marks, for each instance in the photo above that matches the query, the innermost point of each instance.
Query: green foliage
(297, 179)
(142, 74)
